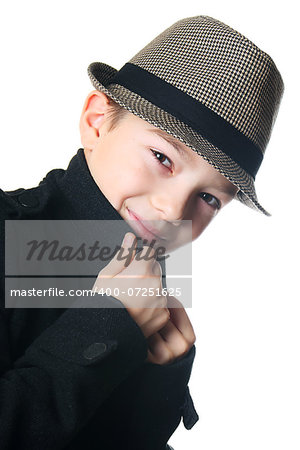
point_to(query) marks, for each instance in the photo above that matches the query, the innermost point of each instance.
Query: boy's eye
(161, 158)
(211, 200)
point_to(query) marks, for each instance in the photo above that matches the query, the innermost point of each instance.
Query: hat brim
(101, 76)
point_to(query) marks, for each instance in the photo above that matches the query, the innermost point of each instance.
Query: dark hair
(115, 114)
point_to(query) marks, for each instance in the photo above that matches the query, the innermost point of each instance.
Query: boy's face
(144, 177)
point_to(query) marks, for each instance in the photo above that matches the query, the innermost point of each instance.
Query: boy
(197, 107)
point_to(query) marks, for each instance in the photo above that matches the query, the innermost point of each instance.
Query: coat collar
(82, 193)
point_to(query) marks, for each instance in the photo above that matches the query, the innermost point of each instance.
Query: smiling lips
(146, 229)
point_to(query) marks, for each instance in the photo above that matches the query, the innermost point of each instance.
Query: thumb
(129, 248)
(122, 258)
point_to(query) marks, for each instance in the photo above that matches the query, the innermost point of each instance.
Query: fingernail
(128, 239)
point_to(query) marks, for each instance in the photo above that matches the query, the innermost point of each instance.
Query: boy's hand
(140, 276)
(175, 339)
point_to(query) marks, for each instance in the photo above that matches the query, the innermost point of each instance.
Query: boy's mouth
(144, 228)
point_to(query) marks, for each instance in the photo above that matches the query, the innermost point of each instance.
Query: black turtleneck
(77, 194)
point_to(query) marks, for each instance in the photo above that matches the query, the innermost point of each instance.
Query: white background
(245, 380)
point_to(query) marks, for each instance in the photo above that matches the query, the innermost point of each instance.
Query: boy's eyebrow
(231, 191)
(172, 141)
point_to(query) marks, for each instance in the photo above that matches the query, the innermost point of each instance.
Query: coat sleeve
(50, 392)
(159, 397)
(144, 410)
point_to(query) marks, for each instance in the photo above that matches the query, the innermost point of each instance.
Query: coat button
(94, 350)
(28, 200)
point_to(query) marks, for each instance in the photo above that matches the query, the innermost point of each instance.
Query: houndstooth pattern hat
(208, 86)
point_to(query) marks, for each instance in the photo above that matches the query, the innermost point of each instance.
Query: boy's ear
(92, 118)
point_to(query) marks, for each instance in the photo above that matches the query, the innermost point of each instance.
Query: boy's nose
(171, 205)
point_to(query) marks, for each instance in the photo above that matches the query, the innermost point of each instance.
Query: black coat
(61, 388)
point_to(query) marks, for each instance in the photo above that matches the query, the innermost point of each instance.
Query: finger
(151, 358)
(159, 351)
(173, 302)
(143, 262)
(122, 258)
(175, 341)
(156, 269)
(129, 245)
(180, 319)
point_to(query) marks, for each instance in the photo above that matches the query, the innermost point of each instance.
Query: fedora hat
(208, 86)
